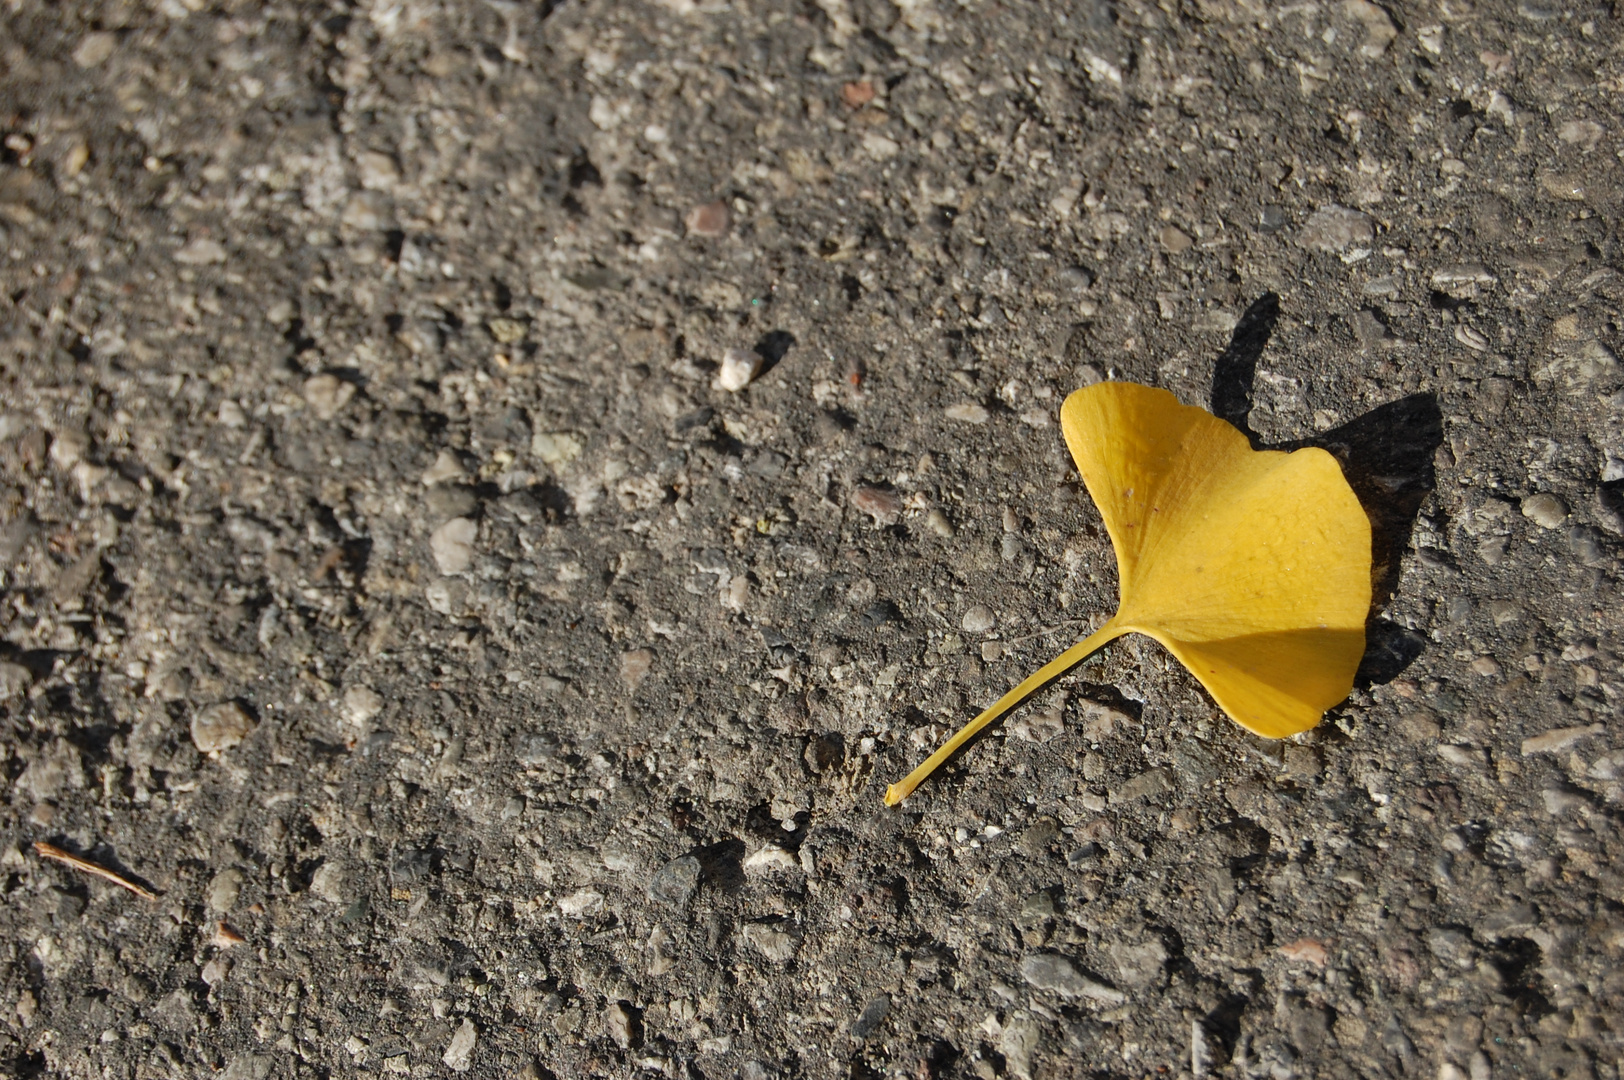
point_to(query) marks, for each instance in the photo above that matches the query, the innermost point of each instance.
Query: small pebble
(74, 161)
(880, 147)
(676, 882)
(938, 523)
(970, 413)
(1038, 836)
(1335, 228)
(874, 1012)
(1147, 784)
(1545, 510)
(659, 946)
(556, 448)
(68, 446)
(1055, 973)
(328, 882)
(449, 501)
(1100, 719)
(1419, 727)
(1564, 800)
(1585, 543)
(739, 367)
(445, 467)
(1486, 666)
(1195, 762)
(1565, 186)
(770, 859)
(536, 748)
(1039, 726)
(619, 860)
(361, 704)
(1074, 279)
(327, 395)
(1452, 946)
(978, 619)
(14, 679)
(885, 507)
(201, 251)
(224, 889)
(709, 219)
(94, 48)
(1302, 762)
(1306, 951)
(1021, 1035)
(459, 1053)
(635, 665)
(1379, 29)
(1387, 285)
(446, 596)
(1090, 851)
(824, 752)
(785, 805)
(1559, 739)
(1457, 609)
(1463, 757)
(220, 727)
(377, 171)
(624, 1025)
(366, 211)
(772, 940)
(1461, 277)
(1471, 338)
(1492, 549)
(507, 331)
(581, 903)
(857, 94)
(452, 545)
(1175, 240)
(1140, 965)
(1200, 1051)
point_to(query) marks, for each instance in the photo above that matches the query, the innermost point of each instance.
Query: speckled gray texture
(361, 403)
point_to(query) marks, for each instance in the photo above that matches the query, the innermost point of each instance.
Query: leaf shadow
(1387, 457)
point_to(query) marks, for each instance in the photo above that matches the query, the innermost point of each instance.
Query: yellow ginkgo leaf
(1250, 566)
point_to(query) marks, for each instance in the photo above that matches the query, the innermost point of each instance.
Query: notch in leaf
(1251, 566)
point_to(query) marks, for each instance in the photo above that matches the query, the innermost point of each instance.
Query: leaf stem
(1029, 686)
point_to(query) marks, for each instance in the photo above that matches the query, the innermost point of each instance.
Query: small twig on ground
(51, 851)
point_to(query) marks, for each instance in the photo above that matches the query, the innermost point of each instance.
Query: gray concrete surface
(395, 587)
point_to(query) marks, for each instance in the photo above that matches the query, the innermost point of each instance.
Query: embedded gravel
(491, 493)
